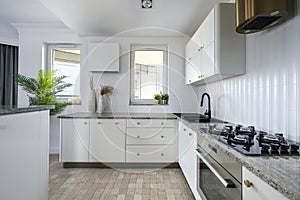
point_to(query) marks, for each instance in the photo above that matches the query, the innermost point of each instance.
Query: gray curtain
(8, 68)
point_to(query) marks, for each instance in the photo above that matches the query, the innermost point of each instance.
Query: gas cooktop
(248, 141)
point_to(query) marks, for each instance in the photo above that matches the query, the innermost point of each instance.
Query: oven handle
(226, 182)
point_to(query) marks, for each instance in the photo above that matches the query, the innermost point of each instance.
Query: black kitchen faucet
(207, 112)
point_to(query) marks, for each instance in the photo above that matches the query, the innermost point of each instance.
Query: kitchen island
(24, 135)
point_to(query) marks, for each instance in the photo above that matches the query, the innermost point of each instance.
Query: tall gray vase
(92, 101)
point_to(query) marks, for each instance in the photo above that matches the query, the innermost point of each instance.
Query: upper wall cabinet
(215, 51)
(103, 57)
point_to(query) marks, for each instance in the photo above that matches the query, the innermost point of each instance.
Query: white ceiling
(111, 17)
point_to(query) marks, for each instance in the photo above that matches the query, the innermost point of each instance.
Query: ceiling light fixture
(146, 4)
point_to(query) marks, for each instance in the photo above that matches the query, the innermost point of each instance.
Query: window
(65, 60)
(149, 72)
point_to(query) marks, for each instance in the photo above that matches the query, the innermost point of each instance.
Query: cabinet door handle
(162, 154)
(184, 129)
(190, 80)
(85, 123)
(138, 123)
(116, 123)
(190, 134)
(247, 183)
(99, 123)
(162, 136)
(137, 154)
(162, 123)
(138, 136)
(190, 58)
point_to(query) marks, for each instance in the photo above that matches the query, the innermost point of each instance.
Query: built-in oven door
(213, 181)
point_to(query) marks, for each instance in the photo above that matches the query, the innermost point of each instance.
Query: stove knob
(280, 137)
(294, 148)
(265, 147)
(275, 148)
(284, 148)
(252, 129)
(229, 128)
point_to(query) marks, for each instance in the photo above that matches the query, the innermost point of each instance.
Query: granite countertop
(119, 115)
(281, 172)
(7, 110)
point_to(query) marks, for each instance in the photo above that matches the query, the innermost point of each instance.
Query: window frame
(148, 47)
(49, 66)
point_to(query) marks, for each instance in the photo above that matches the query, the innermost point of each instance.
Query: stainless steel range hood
(257, 15)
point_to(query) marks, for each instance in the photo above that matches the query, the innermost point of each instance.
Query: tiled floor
(99, 183)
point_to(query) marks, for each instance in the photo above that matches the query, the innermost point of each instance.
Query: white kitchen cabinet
(75, 137)
(24, 168)
(220, 52)
(107, 140)
(103, 57)
(187, 144)
(151, 141)
(255, 188)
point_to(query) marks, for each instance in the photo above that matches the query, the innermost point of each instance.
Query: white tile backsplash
(267, 96)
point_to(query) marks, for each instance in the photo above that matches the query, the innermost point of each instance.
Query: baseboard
(119, 165)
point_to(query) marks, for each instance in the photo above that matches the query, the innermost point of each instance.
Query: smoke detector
(146, 4)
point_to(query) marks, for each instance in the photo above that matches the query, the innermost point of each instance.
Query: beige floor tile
(110, 184)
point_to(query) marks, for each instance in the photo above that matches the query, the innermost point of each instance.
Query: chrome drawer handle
(138, 123)
(99, 123)
(162, 154)
(162, 123)
(162, 136)
(137, 154)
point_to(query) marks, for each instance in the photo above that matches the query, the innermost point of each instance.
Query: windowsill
(135, 104)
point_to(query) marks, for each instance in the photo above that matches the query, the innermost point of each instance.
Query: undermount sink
(196, 118)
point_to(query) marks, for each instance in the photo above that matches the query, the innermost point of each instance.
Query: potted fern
(42, 90)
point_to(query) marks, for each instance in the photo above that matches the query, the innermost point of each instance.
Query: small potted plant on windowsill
(157, 98)
(164, 98)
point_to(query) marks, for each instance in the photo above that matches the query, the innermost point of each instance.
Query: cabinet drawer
(150, 136)
(144, 123)
(150, 154)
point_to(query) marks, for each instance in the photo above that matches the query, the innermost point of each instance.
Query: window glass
(149, 73)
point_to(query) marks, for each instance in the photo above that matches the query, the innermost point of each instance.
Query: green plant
(165, 97)
(157, 96)
(42, 90)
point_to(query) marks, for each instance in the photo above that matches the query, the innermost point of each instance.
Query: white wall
(268, 95)
(8, 34)
(182, 98)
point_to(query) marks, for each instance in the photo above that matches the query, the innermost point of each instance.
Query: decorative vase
(92, 101)
(164, 101)
(157, 101)
(101, 104)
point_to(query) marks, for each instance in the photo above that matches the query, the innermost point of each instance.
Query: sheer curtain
(8, 68)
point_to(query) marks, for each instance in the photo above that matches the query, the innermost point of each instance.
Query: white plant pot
(92, 101)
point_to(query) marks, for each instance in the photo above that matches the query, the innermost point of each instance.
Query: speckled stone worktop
(281, 172)
(120, 115)
(7, 110)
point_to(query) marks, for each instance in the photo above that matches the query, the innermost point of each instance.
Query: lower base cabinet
(107, 140)
(75, 140)
(255, 188)
(187, 144)
(118, 140)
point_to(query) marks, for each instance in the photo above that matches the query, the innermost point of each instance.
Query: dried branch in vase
(106, 90)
